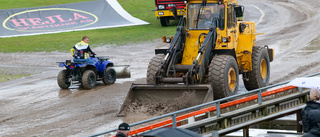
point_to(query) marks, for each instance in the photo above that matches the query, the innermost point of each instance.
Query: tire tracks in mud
(299, 72)
(289, 26)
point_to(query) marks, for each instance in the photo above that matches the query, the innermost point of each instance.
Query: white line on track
(262, 14)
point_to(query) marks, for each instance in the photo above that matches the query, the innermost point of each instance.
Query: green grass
(12, 73)
(141, 9)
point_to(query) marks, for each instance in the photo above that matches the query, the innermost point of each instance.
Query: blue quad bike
(85, 73)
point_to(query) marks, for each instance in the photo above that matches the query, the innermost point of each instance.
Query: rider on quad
(85, 69)
(81, 51)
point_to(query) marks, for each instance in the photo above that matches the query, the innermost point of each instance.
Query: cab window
(222, 17)
(202, 17)
(231, 16)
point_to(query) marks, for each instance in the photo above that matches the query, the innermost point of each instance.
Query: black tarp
(64, 18)
(170, 132)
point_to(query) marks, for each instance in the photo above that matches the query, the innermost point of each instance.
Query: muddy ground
(36, 106)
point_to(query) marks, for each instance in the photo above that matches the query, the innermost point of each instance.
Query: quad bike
(87, 74)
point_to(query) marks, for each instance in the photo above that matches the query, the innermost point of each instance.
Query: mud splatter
(154, 106)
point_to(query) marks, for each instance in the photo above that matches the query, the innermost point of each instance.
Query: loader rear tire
(153, 68)
(88, 79)
(109, 76)
(63, 79)
(260, 74)
(164, 21)
(224, 76)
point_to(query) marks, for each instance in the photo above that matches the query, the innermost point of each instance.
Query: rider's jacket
(80, 54)
(81, 50)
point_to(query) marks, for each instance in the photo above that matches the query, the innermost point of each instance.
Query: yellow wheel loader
(206, 55)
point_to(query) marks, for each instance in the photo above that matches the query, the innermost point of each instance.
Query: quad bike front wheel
(63, 79)
(109, 76)
(224, 76)
(88, 79)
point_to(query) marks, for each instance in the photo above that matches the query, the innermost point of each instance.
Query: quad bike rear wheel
(260, 74)
(153, 68)
(63, 79)
(224, 76)
(88, 79)
(109, 76)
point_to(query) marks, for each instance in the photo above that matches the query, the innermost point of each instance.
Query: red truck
(167, 10)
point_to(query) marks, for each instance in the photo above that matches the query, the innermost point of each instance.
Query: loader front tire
(260, 74)
(224, 76)
(88, 79)
(153, 68)
(109, 76)
(63, 79)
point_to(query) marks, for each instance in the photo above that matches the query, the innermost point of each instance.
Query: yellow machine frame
(240, 43)
(204, 59)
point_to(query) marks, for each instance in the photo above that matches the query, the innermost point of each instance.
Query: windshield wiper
(204, 3)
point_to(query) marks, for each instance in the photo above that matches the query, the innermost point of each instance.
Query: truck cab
(167, 10)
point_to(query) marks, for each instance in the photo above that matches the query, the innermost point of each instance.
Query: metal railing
(216, 102)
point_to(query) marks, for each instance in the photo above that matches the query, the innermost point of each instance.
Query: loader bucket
(161, 99)
(122, 71)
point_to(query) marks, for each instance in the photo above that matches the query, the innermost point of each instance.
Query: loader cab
(202, 16)
(223, 16)
(198, 26)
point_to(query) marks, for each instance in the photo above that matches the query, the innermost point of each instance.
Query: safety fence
(214, 106)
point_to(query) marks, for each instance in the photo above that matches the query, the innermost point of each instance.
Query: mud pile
(157, 106)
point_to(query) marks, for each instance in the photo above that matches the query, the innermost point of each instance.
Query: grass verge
(7, 74)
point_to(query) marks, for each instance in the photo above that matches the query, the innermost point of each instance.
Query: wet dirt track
(36, 106)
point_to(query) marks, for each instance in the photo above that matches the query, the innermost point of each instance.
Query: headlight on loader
(166, 39)
(224, 40)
